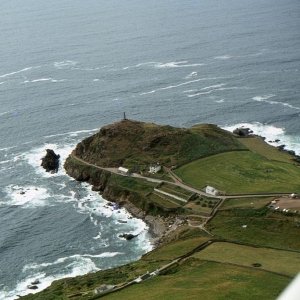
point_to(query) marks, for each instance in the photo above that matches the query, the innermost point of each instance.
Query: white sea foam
(223, 57)
(216, 88)
(177, 64)
(19, 71)
(71, 258)
(220, 101)
(78, 265)
(180, 84)
(34, 157)
(2, 82)
(25, 196)
(96, 79)
(266, 97)
(191, 75)
(72, 133)
(149, 63)
(271, 133)
(48, 79)
(5, 113)
(65, 64)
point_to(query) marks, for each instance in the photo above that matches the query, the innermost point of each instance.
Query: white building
(123, 171)
(154, 168)
(211, 190)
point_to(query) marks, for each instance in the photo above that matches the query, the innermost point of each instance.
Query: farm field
(264, 228)
(258, 145)
(196, 279)
(285, 262)
(241, 172)
(246, 202)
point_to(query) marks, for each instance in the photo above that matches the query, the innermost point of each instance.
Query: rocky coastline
(159, 226)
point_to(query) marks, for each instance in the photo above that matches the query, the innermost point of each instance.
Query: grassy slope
(264, 228)
(285, 262)
(246, 202)
(258, 145)
(138, 144)
(241, 172)
(196, 279)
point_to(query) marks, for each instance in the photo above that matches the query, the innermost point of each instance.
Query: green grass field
(241, 172)
(197, 279)
(246, 202)
(175, 249)
(264, 228)
(163, 201)
(284, 262)
(258, 145)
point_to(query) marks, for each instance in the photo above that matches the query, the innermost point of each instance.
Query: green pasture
(241, 172)
(246, 202)
(197, 279)
(264, 227)
(258, 145)
(284, 262)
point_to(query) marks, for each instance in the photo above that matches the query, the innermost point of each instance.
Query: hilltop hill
(132, 143)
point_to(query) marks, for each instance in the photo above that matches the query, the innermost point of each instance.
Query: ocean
(69, 67)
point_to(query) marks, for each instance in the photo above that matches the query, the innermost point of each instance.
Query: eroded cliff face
(103, 182)
(133, 202)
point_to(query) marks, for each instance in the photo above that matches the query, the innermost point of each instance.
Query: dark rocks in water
(128, 236)
(50, 162)
(32, 287)
(281, 147)
(292, 152)
(241, 131)
(35, 282)
(122, 221)
(22, 193)
(277, 141)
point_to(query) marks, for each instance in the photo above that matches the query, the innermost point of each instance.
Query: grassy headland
(203, 254)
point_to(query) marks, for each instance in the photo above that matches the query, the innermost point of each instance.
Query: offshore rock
(50, 162)
(127, 236)
(242, 131)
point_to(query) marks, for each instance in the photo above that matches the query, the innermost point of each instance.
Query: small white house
(123, 171)
(154, 168)
(211, 190)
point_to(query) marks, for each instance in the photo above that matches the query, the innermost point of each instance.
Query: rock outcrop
(50, 162)
(241, 131)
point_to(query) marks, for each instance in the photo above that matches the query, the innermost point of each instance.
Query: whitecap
(96, 79)
(5, 113)
(177, 64)
(220, 101)
(72, 133)
(192, 74)
(33, 157)
(271, 133)
(140, 65)
(47, 79)
(2, 82)
(19, 71)
(215, 89)
(78, 265)
(65, 64)
(25, 196)
(266, 97)
(180, 84)
(223, 57)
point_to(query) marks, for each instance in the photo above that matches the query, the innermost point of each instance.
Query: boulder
(128, 236)
(241, 131)
(32, 287)
(50, 162)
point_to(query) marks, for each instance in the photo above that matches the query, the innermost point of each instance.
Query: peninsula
(222, 207)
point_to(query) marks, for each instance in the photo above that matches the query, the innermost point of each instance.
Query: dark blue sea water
(68, 67)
